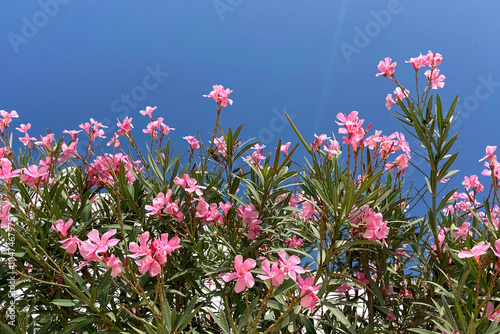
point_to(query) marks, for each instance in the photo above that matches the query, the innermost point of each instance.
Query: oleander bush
(226, 236)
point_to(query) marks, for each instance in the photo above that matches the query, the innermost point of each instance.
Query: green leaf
(65, 302)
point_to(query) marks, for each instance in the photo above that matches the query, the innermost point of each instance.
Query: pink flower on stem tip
(243, 275)
(147, 263)
(24, 128)
(473, 182)
(389, 101)
(284, 148)
(7, 118)
(290, 266)
(219, 94)
(189, 184)
(142, 249)
(148, 111)
(62, 227)
(435, 79)
(125, 127)
(4, 214)
(72, 133)
(496, 248)
(476, 251)
(401, 94)
(332, 148)
(293, 242)
(386, 68)
(70, 244)
(97, 245)
(307, 290)
(274, 273)
(46, 141)
(489, 154)
(192, 141)
(419, 61)
(114, 264)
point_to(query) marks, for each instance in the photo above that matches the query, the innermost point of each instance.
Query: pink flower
(473, 182)
(46, 141)
(24, 128)
(307, 288)
(434, 59)
(389, 101)
(401, 162)
(34, 175)
(419, 61)
(192, 141)
(141, 250)
(243, 274)
(26, 140)
(462, 231)
(332, 148)
(490, 309)
(290, 266)
(95, 245)
(284, 148)
(68, 151)
(189, 184)
(7, 118)
(489, 153)
(148, 263)
(62, 227)
(219, 94)
(163, 247)
(148, 111)
(401, 94)
(125, 127)
(72, 133)
(496, 249)
(70, 244)
(318, 141)
(4, 214)
(435, 78)
(293, 242)
(274, 274)
(113, 263)
(475, 252)
(386, 68)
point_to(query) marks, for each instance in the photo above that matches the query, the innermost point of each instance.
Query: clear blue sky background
(62, 62)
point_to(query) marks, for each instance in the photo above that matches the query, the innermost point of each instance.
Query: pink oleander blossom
(4, 214)
(148, 111)
(125, 126)
(243, 275)
(70, 244)
(435, 79)
(192, 141)
(386, 68)
(114, 264)
(219, 94)
(476, 251)
(62, 227)
(307, 289)
(284, 148)
(290, 266)
(273, 274)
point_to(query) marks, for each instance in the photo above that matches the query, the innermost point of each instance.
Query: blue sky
(63, 61)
